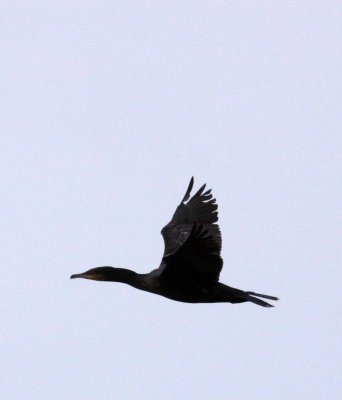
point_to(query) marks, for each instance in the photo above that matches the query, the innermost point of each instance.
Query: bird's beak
(87, 275)
(83, 275)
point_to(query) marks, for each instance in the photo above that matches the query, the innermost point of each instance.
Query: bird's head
(107, 274)
(96, 274)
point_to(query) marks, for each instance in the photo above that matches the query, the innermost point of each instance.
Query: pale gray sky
(107, 109)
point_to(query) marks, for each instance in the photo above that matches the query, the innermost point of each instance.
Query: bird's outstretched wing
(193, 239)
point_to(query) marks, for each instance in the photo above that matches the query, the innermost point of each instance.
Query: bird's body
(191, 264)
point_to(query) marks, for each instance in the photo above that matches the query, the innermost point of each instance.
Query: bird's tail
(253, 297)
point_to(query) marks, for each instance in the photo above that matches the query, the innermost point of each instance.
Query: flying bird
(190, 268)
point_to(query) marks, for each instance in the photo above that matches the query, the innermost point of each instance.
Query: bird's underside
(191, 263)
(191, 292)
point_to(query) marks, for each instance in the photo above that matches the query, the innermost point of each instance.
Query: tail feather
(250, 297)
(264, 296)
(259, 302)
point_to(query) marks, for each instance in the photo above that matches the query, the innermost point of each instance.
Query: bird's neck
(122, 275)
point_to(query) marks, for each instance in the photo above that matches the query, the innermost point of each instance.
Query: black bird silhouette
(191, 264)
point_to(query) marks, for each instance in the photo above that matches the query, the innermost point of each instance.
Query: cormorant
(191, 264)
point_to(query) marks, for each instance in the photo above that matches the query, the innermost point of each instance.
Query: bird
(191, 264)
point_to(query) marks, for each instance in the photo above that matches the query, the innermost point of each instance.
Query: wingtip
(188, 191)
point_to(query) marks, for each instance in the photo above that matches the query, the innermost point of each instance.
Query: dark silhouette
(191, 264)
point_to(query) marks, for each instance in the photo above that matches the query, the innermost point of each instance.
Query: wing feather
(193, 239)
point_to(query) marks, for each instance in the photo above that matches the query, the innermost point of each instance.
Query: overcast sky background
(107, 110)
